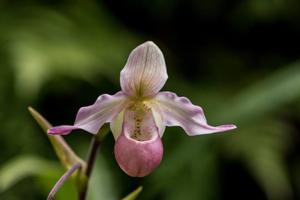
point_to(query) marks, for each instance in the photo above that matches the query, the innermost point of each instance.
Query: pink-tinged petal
(179, 111)
(61, 130)
(145, 72)
(91, 118)
(136, 158)
(138, 150)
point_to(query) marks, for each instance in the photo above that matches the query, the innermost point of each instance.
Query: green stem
(95, 144)
(94, 147)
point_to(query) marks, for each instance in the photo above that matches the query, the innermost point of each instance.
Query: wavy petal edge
(179, 111)
(92, 118)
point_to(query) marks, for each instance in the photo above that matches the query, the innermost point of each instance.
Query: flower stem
(95, 144)
(62, 179)
(94, 147)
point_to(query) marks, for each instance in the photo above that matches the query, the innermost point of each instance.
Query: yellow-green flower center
(142, 129)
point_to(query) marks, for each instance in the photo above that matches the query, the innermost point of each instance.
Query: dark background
(239, 60)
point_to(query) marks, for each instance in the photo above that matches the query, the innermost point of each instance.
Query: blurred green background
(239, 60)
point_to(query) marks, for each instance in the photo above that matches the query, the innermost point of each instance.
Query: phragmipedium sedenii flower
(139, 113)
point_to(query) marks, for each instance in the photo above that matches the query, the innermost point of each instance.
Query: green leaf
(22, 167)
(270, 171)
(63, 151)
(102, 184)
(263, 96)
(198, 166)
(265, 159)
(80, 44)
(133, 195)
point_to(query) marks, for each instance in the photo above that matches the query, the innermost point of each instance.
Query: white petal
(91, 118)
(145, 72)
(158, 120)
(116, 124)
(179, 111)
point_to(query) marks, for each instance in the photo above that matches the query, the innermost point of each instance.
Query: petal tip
(145, 71)
(228, 127)
(61, 130)
(179, 111)
(150, 43)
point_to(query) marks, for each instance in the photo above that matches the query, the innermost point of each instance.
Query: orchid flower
(139, 113)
